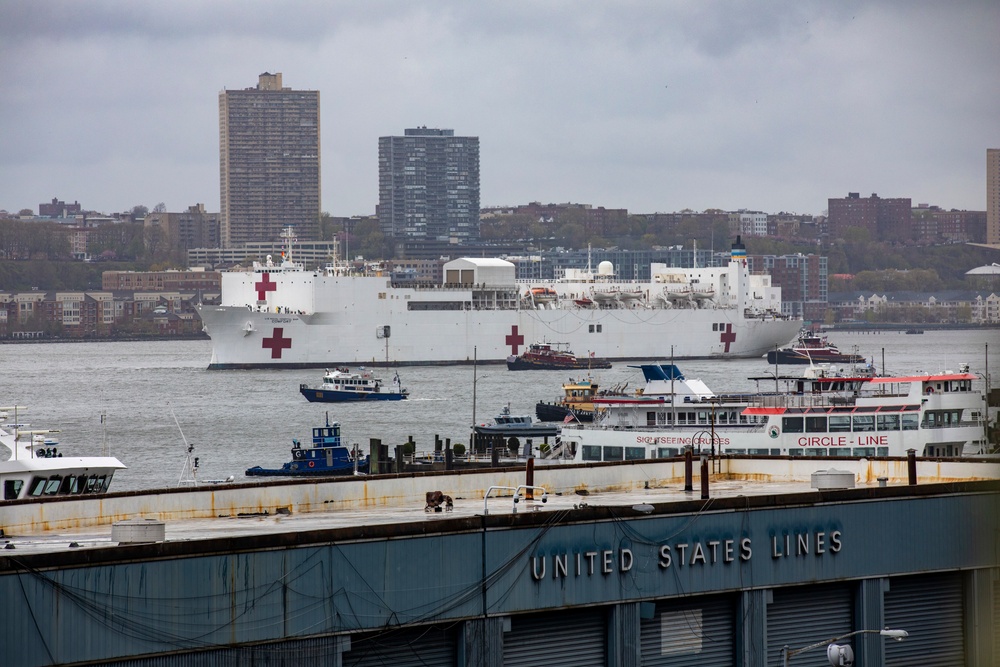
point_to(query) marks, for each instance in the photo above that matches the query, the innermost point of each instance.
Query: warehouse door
(805, 615)
(558, 639)
(929, 607)
(688, 632)
(429, 646)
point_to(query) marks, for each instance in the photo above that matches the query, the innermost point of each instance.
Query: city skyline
(644, 106)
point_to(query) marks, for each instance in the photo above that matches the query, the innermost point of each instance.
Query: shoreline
(107, 339)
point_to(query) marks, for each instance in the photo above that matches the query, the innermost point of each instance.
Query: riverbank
(106, 339)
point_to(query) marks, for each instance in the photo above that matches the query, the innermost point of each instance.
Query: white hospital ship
(280, 315)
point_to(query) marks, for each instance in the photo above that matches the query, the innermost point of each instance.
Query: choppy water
(237, 419)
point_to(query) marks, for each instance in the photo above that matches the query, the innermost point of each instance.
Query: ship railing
(802, 401)
(963, 423)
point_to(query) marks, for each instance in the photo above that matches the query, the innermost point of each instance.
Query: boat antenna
(191, 462)
(104, 424)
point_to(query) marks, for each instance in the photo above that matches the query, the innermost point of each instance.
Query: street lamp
(840, 656)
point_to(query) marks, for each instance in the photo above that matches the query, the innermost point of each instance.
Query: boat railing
(802, 400)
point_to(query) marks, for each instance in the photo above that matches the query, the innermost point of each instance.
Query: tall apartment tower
(428, 185)
(269, 162)
(993, 195)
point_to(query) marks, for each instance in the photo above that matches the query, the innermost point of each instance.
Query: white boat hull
(243, 339)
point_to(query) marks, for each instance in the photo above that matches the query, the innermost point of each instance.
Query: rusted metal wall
(119, 603)
(408, 490)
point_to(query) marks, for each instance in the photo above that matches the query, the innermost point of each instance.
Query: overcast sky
(650, 106)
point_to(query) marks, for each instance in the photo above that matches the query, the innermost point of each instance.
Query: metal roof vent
(138, 531)
(833, 479)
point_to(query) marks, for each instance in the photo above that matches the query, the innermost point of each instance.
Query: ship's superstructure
(283, 316)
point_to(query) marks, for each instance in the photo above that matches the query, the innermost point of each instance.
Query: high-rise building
(428, 185)
(884, 219)
(993, 195)
(269, 162)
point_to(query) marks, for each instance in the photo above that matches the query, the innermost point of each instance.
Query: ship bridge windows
(12, 488)
(910, 422)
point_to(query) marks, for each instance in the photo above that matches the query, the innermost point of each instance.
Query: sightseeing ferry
(280, 315)
(937, 415)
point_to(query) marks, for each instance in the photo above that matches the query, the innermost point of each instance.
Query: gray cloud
(645, 105)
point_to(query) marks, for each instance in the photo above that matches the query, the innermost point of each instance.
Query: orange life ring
(312, 464)
(930, 390)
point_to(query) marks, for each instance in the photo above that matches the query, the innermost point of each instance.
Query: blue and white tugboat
(340, 385)
(327, 456)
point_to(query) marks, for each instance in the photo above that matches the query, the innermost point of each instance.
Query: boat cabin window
(613, 454)
(52, 485)
(864, 423)
(910, 422)
(791, 424)
(635, 453)
(840, 451)
(667, 452)
(840, 424)
(864, 451)
(591, 453)
(12, 489)
(888, 422)
(816, 424)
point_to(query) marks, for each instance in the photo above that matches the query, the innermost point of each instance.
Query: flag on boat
(591, 355)
(569, 417)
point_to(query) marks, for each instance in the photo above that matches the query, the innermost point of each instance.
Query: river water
(157, 395)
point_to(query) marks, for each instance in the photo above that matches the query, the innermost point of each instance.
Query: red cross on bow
(728, 336)
(264, 286)
(514, 339)
(277, 342)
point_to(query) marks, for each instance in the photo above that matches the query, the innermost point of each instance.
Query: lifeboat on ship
(543, 294)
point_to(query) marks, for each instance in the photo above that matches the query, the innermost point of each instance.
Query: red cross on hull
(277, 342)
(514, 339)
(728, 336)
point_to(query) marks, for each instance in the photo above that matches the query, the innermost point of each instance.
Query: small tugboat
(340, 385)
(507, 425)
(812, 348)
(327, 456)
(552, 356)
(914, 331)
(576, 403)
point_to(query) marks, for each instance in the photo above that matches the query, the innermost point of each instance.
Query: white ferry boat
(938, 415)
(35, 468)
(283, 316)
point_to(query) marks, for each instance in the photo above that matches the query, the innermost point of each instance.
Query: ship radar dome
(605, 268)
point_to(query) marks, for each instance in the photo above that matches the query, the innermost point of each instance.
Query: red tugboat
(552, 356)
(812, 348)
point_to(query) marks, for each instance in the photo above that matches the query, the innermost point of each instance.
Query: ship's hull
(791, 356)
(336, 396)
(522, 364)
(245, 339)
(554, 412)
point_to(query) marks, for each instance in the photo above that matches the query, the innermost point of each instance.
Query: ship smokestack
(739, 251)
